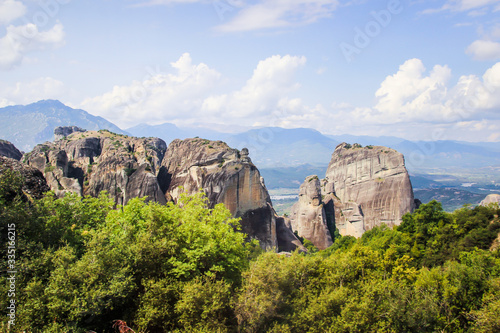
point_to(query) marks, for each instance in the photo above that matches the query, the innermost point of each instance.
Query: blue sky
(418, 69)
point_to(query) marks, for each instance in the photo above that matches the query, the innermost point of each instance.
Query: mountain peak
(50, 102)
(27, 125)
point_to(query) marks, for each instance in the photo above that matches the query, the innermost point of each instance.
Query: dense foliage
(83, 263)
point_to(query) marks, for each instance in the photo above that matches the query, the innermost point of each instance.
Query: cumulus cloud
(268, 14)
(484, 50)
(20, 40)
(159, 97)
(31, 91)
(187, 95)
(414, 102)
(11, 10)
(412, 95)
(264, 92)
(409, 94)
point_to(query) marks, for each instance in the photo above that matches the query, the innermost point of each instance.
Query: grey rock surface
(34, 185)
(368, 186)
(226, 177)
(308, 216)
(491, 198)
(7, 149)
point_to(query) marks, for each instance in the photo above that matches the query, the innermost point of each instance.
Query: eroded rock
(367, 186)
(7, 149)
(490, 199)
(90, 162)
(226, 176)
(308, 216)
(34, 185)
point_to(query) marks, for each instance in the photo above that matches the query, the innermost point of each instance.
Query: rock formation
(226, 176)
(308, 216)
(34, 185)
(366, 187)
(63, 131)
(7, 149)
(126, 167)
(90, 162)
(490, 199)
(287, 241)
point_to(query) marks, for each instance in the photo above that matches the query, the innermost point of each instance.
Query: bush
(129, 171)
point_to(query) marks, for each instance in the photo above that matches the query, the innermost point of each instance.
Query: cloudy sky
(418, 69)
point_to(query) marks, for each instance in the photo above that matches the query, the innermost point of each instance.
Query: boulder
(63, 131)
(7, 149)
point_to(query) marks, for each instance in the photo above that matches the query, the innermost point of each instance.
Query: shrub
(129, 171)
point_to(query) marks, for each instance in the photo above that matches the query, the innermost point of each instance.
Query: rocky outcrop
(287, 241)
(365, 187)
(90, 162)
(226, 176)
(62, 132)
(34, 184)
(7, 149)
(308, 216)
(490, 199)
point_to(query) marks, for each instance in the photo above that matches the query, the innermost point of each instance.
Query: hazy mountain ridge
(271, 147)
(28, 125)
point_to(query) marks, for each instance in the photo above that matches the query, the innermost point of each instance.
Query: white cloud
(158, 98)
(416, 104)
(188, 96)
(11, 10)
(142, 3)
(266, 91)
(32, 91)
(409, 94)
(20, 40)
(268, 14)
(484, 50)
(475, 7)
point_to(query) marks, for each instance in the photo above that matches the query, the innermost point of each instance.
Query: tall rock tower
(226, 176)
(367, 186)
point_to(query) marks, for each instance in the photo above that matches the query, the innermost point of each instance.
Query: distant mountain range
(270, 147)
(27, 125)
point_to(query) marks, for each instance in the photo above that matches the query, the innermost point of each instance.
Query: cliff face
(226, 176)
(366, 187)
(491, 198)
(7, 149)
(34, 185)
(126, 167)
(90, 162)
(308, 216)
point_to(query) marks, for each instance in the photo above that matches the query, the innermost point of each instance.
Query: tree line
(83, 263)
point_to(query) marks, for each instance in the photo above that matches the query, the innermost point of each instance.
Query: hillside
(280, 147)
(169, 132)
(28, 125)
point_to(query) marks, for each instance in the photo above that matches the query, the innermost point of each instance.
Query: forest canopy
(83, 263)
